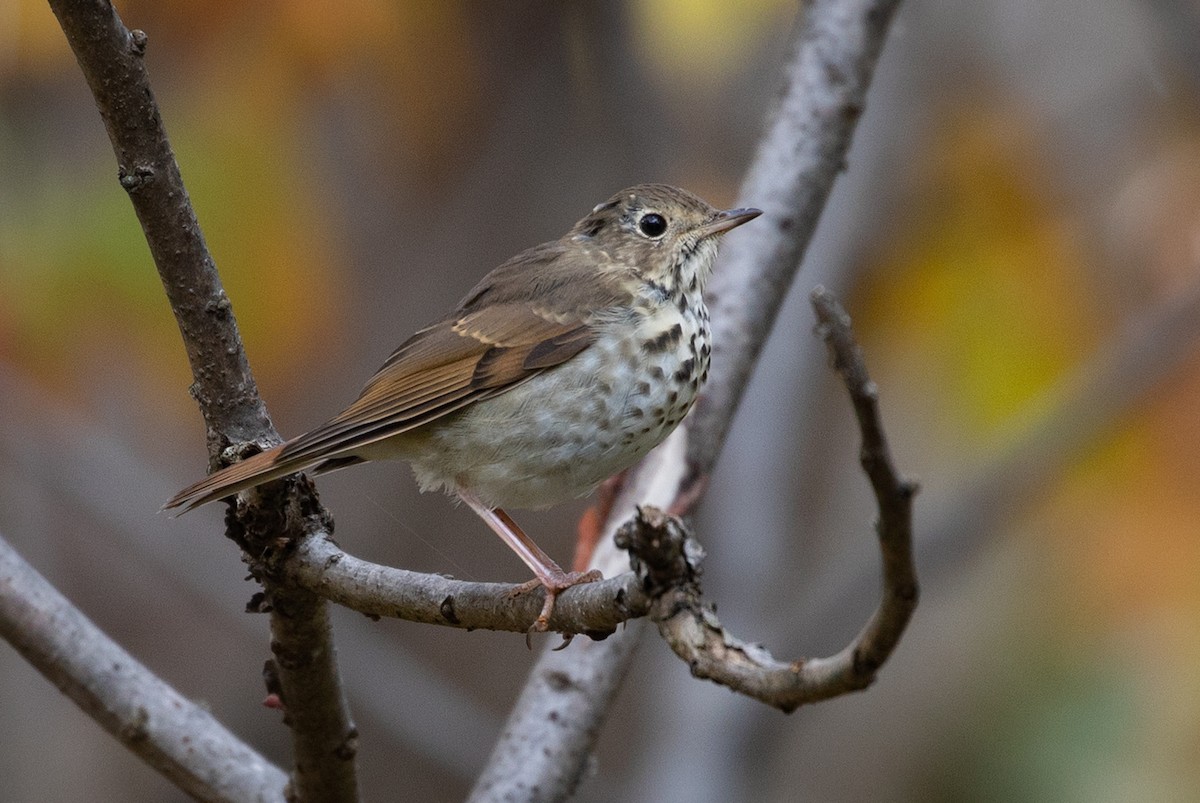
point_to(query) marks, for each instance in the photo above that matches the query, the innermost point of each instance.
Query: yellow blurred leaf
(985, 285)
(690, 41)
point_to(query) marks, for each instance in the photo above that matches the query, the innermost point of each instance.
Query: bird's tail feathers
(252, 471)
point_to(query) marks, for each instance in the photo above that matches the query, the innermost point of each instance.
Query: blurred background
(1022, 203)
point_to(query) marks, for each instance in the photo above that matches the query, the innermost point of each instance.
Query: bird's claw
(554, 585)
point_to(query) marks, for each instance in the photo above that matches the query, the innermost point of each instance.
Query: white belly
(565, 431)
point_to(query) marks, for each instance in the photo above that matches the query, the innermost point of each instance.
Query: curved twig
(668, 564)
(1077, 412)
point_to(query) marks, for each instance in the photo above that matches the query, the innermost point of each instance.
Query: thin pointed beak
(724, 221)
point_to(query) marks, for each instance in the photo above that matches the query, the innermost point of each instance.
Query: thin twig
(111, 58)
(798, 158)
(168, 731)
(668, 563)
(1080, 411)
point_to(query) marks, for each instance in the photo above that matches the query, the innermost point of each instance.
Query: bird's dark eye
(652, 224)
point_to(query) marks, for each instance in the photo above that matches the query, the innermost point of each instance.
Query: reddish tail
(252, 471)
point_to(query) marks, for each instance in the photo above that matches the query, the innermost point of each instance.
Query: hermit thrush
(564, 366)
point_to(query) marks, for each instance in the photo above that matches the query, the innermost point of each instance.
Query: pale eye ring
(652, 225)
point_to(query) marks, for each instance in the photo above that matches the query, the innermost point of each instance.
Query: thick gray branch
(168, 731)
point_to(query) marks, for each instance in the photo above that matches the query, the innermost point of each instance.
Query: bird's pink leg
(547, 573)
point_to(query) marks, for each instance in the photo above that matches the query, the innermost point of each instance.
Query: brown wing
(444, 368)
(494, 341)
(438, 370)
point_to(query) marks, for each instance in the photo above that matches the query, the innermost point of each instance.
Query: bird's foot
(555, 583)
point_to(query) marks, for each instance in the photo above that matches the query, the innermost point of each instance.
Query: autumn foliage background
(1024, 185)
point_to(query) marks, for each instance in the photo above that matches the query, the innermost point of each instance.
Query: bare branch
(111, 58)
(595, 609)
(304, 675)
(167, 730)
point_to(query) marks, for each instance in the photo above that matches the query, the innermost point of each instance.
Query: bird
(561, 368)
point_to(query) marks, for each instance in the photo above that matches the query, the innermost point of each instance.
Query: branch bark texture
(112, 60)
(595, 609)
(169, 732)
